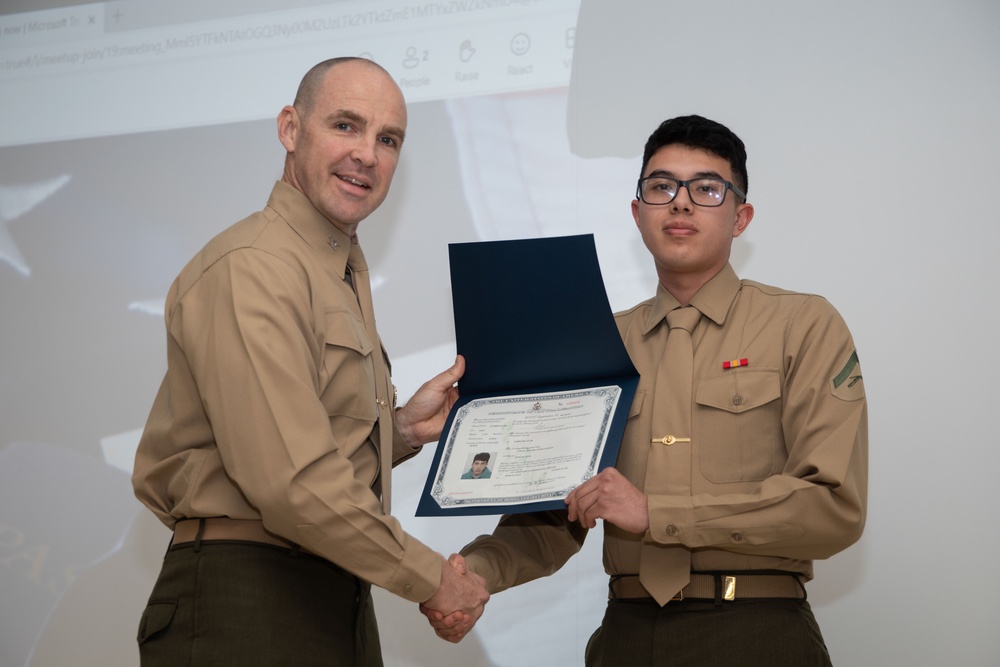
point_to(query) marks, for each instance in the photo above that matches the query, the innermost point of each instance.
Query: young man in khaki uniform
(270, 443)
(745, 453)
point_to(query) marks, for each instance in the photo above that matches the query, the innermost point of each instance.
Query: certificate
(548, 383)
(523, 448)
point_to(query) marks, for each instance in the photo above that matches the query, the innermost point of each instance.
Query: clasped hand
(608, 495)
(459, 601)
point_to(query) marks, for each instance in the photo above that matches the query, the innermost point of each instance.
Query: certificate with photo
(524, 448)
(548, 384)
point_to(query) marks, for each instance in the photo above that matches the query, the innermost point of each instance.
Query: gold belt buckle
(678, 596)
(729, 589)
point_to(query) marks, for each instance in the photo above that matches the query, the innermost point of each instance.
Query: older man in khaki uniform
(270, 443)
(745, 453)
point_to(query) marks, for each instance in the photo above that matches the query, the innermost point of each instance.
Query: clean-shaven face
(344, 150)
(685, 238)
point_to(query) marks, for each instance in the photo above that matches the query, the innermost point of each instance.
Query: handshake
(458, 602)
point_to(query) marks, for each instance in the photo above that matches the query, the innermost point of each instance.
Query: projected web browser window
(126, 66)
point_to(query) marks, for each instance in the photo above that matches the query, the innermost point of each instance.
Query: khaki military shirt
(777, 471)
(268, 408)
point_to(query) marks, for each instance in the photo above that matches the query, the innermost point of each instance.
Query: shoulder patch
(848, 384)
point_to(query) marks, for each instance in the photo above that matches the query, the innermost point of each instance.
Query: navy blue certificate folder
(531, 316)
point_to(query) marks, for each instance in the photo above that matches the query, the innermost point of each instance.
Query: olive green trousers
(245, 604)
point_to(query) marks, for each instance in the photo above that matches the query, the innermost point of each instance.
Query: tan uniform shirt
(778, 465)
(268, 408)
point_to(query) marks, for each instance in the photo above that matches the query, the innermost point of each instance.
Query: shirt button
(737, 399)
(671, 530)
(407, 589)
(737, 537)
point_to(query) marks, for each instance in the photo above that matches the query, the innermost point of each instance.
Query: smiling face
(520, 44)
(689, 243)
(343, 146)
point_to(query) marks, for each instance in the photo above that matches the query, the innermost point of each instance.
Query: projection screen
(133, 131)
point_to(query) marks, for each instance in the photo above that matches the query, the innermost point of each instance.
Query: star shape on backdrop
(15, 201)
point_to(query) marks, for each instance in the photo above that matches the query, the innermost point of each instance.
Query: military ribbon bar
(735, 363)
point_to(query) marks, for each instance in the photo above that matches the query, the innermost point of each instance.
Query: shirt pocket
(348, 374)
(738, 426)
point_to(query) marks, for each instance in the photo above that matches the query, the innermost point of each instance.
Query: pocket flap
(155, 617)
(344, 329)
(740, 391)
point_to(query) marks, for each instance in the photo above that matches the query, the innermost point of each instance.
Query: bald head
(311, 85)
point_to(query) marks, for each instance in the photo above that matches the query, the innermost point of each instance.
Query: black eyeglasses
(657, 190)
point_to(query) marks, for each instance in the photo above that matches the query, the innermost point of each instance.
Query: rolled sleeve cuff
(407, 568)
(419, 574)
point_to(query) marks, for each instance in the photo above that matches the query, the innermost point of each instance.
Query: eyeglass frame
(684, 184)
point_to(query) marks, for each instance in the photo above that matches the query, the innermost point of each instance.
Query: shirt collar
(331, 243)
(713, 299)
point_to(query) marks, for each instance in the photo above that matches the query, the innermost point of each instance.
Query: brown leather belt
(718, 587)
(224, 528)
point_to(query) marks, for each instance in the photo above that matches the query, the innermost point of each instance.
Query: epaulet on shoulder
(771, 290)
(240, 235)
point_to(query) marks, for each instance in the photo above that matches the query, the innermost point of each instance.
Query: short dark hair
(708, 135)
(482, 456)
(305, 97)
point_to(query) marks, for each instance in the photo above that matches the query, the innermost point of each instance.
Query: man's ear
(744, 214)
(288, 128)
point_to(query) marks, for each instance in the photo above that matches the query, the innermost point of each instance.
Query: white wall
(873, 140)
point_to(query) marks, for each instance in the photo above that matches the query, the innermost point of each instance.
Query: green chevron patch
(846, 372)
(848, 384)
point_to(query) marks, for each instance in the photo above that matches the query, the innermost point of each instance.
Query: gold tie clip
(669, 440)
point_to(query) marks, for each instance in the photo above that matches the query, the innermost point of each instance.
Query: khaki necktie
(665, 569)
(362, 288)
